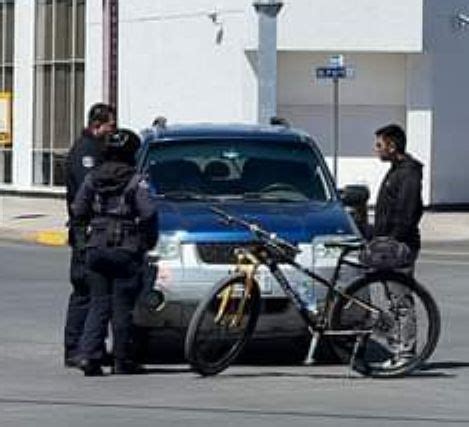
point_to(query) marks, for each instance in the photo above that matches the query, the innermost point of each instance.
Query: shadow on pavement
(347, 375)
(450, 364)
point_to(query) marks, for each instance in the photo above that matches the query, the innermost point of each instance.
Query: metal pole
(267, 11)
(110, 51)
(336, 125)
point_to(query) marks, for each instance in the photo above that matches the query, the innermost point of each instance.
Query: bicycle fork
(248, 270)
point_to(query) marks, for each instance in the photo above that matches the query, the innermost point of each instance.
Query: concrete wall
(373, 97)
(447, 49)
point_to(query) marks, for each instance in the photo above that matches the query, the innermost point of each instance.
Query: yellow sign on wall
(5, 118)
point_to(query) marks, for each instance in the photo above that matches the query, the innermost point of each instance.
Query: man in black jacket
(85, 154)
(398, 212)
(399, 205)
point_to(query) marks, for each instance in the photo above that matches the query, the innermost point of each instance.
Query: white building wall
(23, 95)
(170, 58)
(175, 61)
(365, 25)
(419, 104)
(93, 54)
(172, 64)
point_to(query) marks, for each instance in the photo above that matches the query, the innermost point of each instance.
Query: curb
(51, 237)
(45, 237)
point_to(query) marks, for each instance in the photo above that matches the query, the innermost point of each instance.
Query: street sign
(335, 71)
(331, 72)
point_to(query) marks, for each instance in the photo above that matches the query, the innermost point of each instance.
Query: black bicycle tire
(203, 367)
(418, 290)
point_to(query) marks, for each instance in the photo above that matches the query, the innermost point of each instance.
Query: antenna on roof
(279, 121)
(160, 121)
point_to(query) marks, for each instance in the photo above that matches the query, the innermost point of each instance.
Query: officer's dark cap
(122, 145)
(101, 113)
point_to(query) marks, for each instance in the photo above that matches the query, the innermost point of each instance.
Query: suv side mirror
(355, 198)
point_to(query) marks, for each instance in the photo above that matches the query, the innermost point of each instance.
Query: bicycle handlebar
(258, 231)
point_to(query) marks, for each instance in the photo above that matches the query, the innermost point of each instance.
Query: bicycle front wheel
(398, 333)
(222, 324)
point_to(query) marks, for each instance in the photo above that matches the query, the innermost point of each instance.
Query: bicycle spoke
(401, 334)
(221, 325)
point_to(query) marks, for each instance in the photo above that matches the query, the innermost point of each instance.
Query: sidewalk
(42, 220)
(30, 219)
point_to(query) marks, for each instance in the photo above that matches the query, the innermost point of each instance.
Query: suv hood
(297, 222)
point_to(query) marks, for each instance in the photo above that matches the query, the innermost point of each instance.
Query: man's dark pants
(115, 282)
(78, 304)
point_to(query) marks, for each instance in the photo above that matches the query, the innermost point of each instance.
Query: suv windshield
(252, 169)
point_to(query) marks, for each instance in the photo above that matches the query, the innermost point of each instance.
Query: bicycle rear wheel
(398, 336)
(222, 324)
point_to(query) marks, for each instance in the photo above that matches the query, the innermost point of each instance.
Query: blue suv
(273, 175)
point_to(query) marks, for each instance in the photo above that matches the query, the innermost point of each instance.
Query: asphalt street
(35, 389)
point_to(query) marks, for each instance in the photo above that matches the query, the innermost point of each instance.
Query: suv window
(267, 170)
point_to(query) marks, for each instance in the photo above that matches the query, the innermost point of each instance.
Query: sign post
(335, 71)
(267, 11)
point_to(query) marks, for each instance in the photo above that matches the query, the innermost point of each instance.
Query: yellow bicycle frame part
(246, 264)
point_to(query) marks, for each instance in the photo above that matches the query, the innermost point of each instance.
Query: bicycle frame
(236, 300)
(248, 262)
(270, 247)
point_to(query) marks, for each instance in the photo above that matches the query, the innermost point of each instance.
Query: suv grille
(217, 253)
(222, 253)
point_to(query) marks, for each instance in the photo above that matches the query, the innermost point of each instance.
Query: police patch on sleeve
(143, 184)
(87, 162)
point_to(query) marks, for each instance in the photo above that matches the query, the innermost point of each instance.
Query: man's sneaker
(393, 363)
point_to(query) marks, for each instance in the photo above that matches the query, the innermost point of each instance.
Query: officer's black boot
(72, 361)
(127, 367)
(91, 368)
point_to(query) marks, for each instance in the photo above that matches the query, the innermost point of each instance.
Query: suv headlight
(327, 256)
(168, 247)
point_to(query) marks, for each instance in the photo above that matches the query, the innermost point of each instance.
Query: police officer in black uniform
(85, 154)
(119, 209)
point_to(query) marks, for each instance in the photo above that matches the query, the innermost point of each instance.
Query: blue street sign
(331, 72)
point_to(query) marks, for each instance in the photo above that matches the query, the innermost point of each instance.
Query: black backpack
(115, 222)
(385, 253)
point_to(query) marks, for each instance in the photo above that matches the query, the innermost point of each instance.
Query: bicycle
(384, 323)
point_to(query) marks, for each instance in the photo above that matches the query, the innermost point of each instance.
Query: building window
(59, 86)
(7, 31)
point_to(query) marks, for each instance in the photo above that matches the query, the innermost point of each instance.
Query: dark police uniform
(120, 211)
(85, 154)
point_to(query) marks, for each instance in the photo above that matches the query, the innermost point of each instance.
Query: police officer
(85, 154)
(117, 206)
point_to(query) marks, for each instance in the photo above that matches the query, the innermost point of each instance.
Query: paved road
(36, 391)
